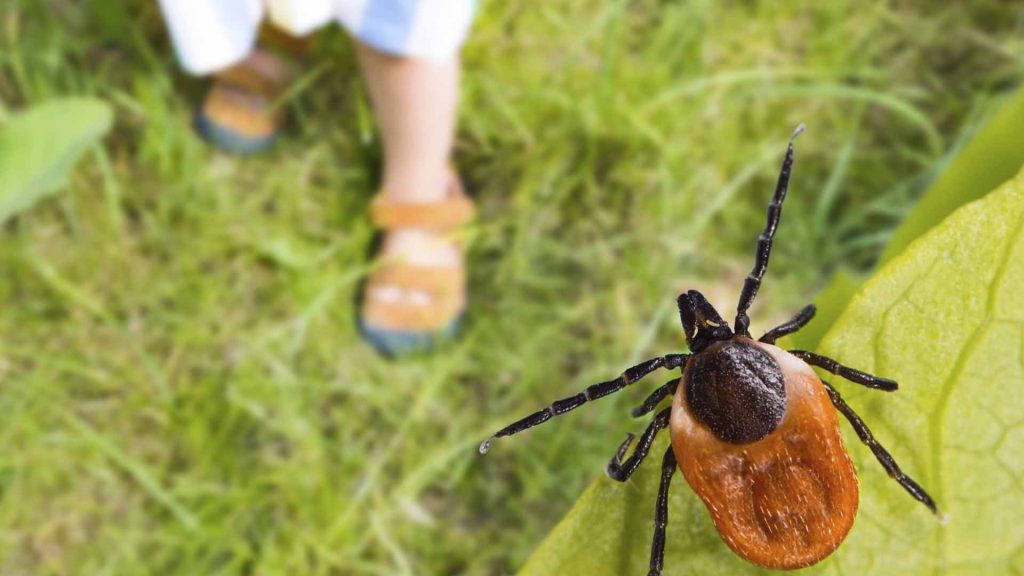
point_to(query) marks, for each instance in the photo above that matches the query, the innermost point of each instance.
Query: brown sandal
(239, 113)
(433, 299)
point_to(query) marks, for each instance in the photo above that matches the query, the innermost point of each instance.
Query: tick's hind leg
(630, 375)
(621, 471)
(668, 468)
(851, 374)
(797, 322)
(659, 394)
(886, 459)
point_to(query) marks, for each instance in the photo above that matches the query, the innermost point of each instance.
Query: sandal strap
(444, 286)
(410, 317)
(439, 283)
(268, 75)
(239, 113)
(449, 213)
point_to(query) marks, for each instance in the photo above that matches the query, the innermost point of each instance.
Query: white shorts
(210, 35)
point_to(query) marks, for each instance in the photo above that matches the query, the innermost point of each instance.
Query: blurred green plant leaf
(39, 147)
(944, 319)
(993, 156)
(988, 160)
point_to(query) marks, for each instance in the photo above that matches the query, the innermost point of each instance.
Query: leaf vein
(937, 424)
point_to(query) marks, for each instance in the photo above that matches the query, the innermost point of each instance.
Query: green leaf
(945, 319)
(39, 147)
(991, 158)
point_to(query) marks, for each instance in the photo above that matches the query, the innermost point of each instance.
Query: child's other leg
(415, 102)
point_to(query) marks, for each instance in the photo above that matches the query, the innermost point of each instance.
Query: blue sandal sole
(227, 139)
(394, 343)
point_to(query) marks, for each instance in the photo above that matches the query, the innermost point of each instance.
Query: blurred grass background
(182, 388)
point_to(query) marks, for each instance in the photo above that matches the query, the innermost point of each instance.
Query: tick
(752, 427)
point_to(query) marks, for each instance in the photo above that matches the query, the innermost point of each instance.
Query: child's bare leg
(415, 102)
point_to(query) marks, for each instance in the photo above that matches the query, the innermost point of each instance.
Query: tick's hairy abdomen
(787, 500)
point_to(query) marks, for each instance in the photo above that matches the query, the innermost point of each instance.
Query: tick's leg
(621, 471)
(764, 241)
(594, 392)
(883, 456)
(668, 468)
(851, 374)
(798, 322)
(659, 394)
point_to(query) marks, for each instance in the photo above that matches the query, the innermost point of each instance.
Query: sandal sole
(394, 343)
(227, 139)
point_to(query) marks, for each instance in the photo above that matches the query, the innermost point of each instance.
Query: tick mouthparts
(799, 130)
(485, 446)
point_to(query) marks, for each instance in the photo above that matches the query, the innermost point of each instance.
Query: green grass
(182, 387)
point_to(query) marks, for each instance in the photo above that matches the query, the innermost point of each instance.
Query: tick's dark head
(701, 322)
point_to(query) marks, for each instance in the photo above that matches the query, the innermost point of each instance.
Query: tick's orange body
(787, 500)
